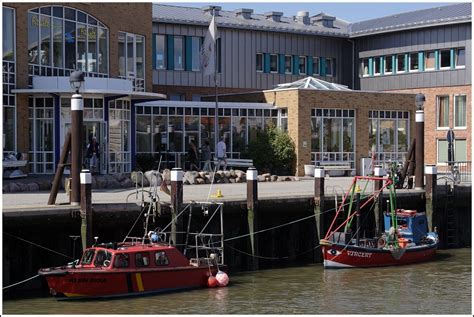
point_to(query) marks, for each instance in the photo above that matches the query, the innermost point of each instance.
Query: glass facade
(389, 134)
(333, 135)
(119, 136)
(131, 57)
(62, 39)
(167, 130)
(9, 80)
(41, 135)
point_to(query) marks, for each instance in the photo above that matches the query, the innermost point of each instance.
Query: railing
(460, 171)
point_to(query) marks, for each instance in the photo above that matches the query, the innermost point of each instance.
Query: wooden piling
(86, 209)
(430, 194)
(176, 203)
(252, 214)
(77, 110)
(319, 200)
(420, 149)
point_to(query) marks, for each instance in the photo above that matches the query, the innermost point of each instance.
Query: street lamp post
(77, 109)
(420, 141)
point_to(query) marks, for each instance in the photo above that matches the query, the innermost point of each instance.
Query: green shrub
(273, 150)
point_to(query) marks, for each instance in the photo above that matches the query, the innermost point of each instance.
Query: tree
(272, 150)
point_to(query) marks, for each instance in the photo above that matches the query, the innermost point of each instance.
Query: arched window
(63, 39)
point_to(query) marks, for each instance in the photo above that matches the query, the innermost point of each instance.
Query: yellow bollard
(218, 194)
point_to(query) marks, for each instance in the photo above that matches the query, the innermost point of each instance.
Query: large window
(460, 58)
(131, 53)
(8, 35)
(330, 67)
(389, 134)
(377, 66)
(316, 66)
(288, 64)
(119, 136)
(444, 59)
(400, 63)
(364, 67)
(302, 65)
(178, 54)
(413, 62)
(460, 111)
(259, 62)
(459, 147)
(333, 135)
(430, 60)
(166, 130)
(195, 49)
(388, 65)
(41, 135)
(442, 111)
(63, 39)
(273, 63)
(9, 80)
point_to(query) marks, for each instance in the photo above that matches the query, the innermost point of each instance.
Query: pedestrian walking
(221, 154)
(206, 156)
(193, 156)
(92, 154)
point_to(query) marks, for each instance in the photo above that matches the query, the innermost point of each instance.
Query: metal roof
(312, 83)
(163, 13)
(456, 13)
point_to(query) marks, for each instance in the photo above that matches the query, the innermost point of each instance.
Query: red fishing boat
(139, 266)
(404, 239)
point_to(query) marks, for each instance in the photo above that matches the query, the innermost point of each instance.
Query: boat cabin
(411, 225)
(132, 257)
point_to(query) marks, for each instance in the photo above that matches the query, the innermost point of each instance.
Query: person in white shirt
(221, 154)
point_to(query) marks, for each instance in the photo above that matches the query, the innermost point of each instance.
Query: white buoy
(222, 278)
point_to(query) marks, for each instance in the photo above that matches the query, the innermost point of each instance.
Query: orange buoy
(212, 281)
(222, 278)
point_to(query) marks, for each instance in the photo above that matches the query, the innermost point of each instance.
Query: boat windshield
(102, 258)
(88, 256)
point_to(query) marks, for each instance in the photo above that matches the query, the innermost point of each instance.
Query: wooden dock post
(252, 214)
(378, 208)
(319, 200)
(176, 202)
(420, 144)
(430, 194)
(86, 209)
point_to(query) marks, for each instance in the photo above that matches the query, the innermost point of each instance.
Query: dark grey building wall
(239, 48)
(447, 36)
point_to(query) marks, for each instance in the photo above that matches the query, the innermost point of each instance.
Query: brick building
(42, 44)
(131, 63)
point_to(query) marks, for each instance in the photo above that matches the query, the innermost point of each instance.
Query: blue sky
(351, 11)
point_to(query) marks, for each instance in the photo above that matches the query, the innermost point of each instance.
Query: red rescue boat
(404, 238)
(140, 266)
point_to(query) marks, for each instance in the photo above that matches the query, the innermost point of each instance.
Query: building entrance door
(93, 129)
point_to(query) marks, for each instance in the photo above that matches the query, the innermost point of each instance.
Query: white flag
(208, 54)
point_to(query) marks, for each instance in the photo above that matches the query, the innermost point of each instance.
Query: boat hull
(81, 283)
(347, 256)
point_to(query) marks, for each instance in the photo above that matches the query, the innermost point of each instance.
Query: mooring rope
(37, 245)
(21, 282)
(282, 225)
(271, 258)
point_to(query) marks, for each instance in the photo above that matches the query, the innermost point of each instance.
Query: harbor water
(442, 286)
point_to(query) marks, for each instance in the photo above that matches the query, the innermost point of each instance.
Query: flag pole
(216, 116)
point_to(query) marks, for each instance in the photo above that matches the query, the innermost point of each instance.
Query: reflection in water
(442, 286)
